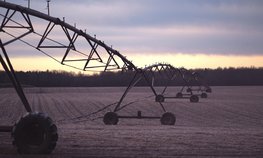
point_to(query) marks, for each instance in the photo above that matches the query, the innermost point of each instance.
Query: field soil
(229, 123)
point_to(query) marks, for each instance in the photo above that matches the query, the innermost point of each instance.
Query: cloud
(211, 27)
(154, 26)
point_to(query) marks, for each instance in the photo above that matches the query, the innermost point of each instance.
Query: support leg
(133, 82)
(152, 88)
(167, 84)
(12, 76)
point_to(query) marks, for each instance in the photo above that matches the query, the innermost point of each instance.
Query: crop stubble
(229, 123)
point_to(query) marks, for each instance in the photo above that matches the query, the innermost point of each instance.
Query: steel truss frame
(194, 84)
(71, 33)
(148, 75)
(168, 73)
(115, 60)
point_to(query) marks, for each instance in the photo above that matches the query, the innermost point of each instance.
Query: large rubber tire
(194, 99)
(35, 133)
(168, 118)
(203, 95)
(159, 98)
(179, 95)
(110, 118)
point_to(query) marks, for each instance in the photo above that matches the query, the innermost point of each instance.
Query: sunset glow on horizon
(177, 60)
(190, 34)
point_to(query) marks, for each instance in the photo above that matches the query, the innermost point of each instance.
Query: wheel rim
(194, 98)
(204, 95)
(159, 98)
(35, 133)
(168, 119)
(110, 118)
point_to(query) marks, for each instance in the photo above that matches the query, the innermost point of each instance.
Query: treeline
(233, 76)
(213, 77)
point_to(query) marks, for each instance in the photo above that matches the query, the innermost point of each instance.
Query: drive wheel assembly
(35, 133)
(168, 119)
(159, 98)
(203, 95)
(110, 118)
(194, 99)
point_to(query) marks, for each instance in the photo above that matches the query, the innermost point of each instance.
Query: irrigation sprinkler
(40, 127)
(194, 85)
(171, 74)
(146, 74)
(166, 73)
(19, 25)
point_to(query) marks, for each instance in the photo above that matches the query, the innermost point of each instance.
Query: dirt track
(227, 124)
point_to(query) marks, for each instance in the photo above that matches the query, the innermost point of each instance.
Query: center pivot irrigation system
(35, 133)
(167, 74)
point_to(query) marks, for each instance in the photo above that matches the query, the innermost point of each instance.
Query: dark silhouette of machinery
(167, 74)
(73, 48)
(18, 25)
(194, 84)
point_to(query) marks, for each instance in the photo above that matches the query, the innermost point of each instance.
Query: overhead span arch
(115, 60)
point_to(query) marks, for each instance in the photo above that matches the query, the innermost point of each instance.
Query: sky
(188, 33)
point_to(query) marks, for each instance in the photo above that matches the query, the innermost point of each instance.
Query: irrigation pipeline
(112, 61)
(43, 52)
(48, 55)
(12, 9)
